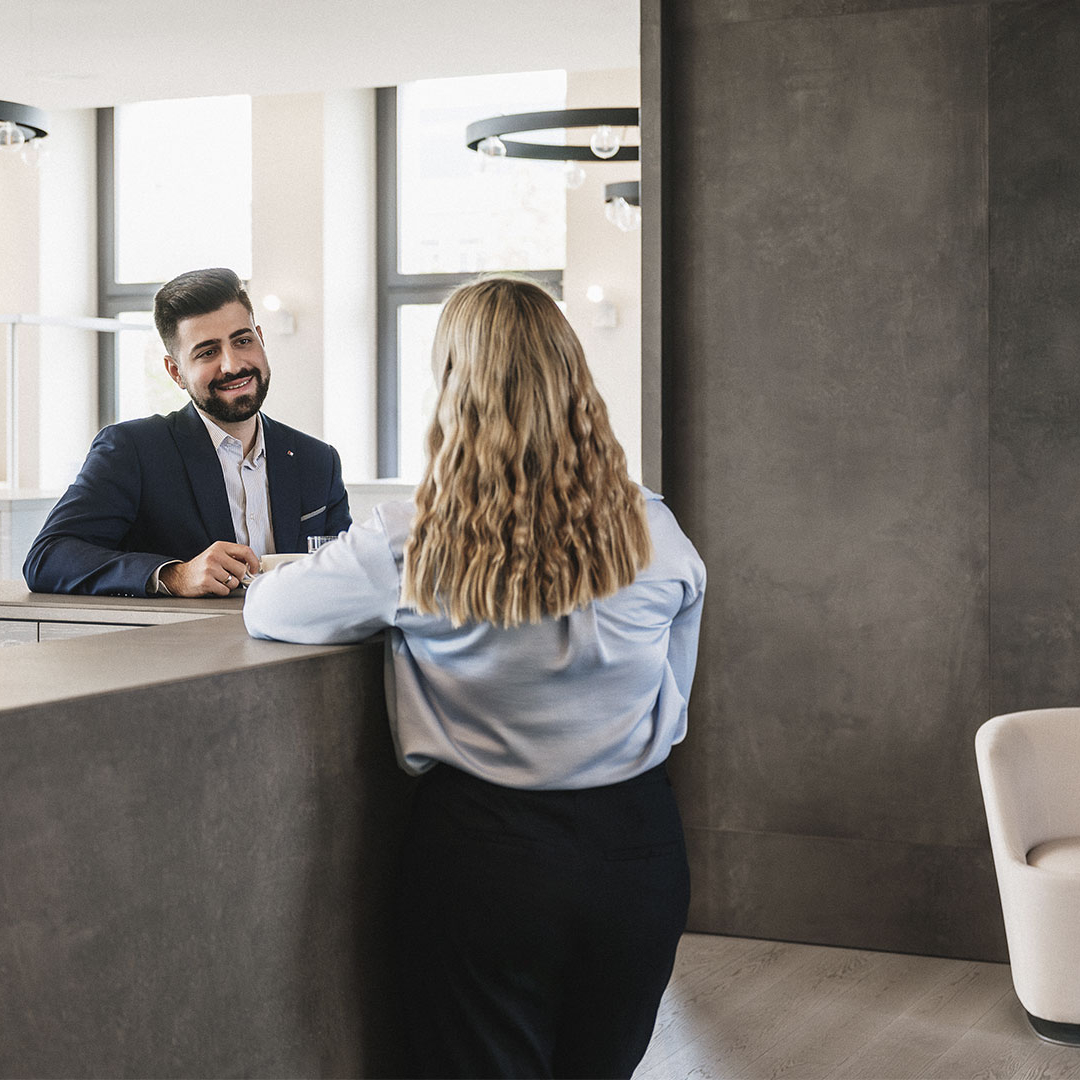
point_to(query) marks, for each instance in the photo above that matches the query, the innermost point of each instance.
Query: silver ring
(228, 579)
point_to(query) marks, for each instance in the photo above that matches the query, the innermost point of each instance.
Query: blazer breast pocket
(312, 513)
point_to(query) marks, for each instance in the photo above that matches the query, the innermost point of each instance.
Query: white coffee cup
(268, 562)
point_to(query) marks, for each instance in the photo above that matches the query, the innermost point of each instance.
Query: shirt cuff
(154, 587)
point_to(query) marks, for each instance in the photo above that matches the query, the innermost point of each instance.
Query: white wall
(349, 361)
(598, 253)
(287, 249)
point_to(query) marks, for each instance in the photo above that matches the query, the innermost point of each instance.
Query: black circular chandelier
(20, 123)
(627, 190)
(605, 143)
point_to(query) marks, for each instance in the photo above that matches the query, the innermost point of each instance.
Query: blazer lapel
(282, 470)
(204, 473)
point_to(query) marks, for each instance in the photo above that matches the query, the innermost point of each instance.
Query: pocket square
(321, 510)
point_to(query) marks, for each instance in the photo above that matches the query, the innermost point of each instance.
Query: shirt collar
(217, 436)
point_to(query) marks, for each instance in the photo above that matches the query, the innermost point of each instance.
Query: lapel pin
(289, 452)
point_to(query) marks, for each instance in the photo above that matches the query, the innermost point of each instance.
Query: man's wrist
(155, 586)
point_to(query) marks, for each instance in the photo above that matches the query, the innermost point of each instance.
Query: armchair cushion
(1060, 856)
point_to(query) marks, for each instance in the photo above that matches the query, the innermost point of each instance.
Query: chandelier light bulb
(11, 134)
(627, 217)
(623, 214)
(492, 147)
(605, 142)
(574, 175)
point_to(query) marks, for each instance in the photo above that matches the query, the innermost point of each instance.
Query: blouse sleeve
(345, 591)
(676, 552)
(685, 628)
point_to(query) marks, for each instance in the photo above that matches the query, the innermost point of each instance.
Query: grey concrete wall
(195, 879)
(1034, 107)
(833, 184)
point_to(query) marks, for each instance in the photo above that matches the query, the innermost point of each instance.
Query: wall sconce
(279, 320)
(605, 313)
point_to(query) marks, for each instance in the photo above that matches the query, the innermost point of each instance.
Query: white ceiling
(58, 54)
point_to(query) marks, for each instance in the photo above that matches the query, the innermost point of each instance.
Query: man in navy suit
(186, 504)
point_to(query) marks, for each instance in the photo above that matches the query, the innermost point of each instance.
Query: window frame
(113, 296)
(395, 289)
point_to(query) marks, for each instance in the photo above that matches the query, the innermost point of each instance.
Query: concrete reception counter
(198, 838)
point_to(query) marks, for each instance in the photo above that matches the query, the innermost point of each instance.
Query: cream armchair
(1029, 767)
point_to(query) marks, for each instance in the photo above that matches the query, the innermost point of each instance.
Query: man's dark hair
(198, 292)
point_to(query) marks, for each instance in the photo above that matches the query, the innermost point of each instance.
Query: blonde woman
(543, 612)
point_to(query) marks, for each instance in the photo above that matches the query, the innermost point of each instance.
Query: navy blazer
(151, 491)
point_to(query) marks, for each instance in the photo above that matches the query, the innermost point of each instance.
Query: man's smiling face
(220, 361)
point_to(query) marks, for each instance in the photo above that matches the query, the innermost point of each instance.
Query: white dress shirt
(247, 486)
(586, 699)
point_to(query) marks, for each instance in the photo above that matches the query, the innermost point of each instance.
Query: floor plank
(818, 1045)
(739, 1009)
(918, 1036)
(995, 1048)
(1050, 1062)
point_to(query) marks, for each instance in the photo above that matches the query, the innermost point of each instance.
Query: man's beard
(237, 409)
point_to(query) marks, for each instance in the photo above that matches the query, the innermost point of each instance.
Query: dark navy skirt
(538, 928)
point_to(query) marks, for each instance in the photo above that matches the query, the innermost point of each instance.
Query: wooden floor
(738, 1008)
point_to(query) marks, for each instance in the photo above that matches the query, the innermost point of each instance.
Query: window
(459, 212)
(174, 195)
(445, 214)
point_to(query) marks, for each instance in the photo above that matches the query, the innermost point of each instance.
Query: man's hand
(215, 572)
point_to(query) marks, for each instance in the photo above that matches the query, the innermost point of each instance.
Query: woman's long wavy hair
(525, 508)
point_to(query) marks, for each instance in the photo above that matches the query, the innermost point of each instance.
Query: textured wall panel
(825, 444)
(920, 898)
(1034, 342)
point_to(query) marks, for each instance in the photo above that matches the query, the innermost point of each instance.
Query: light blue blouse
(586, 699)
